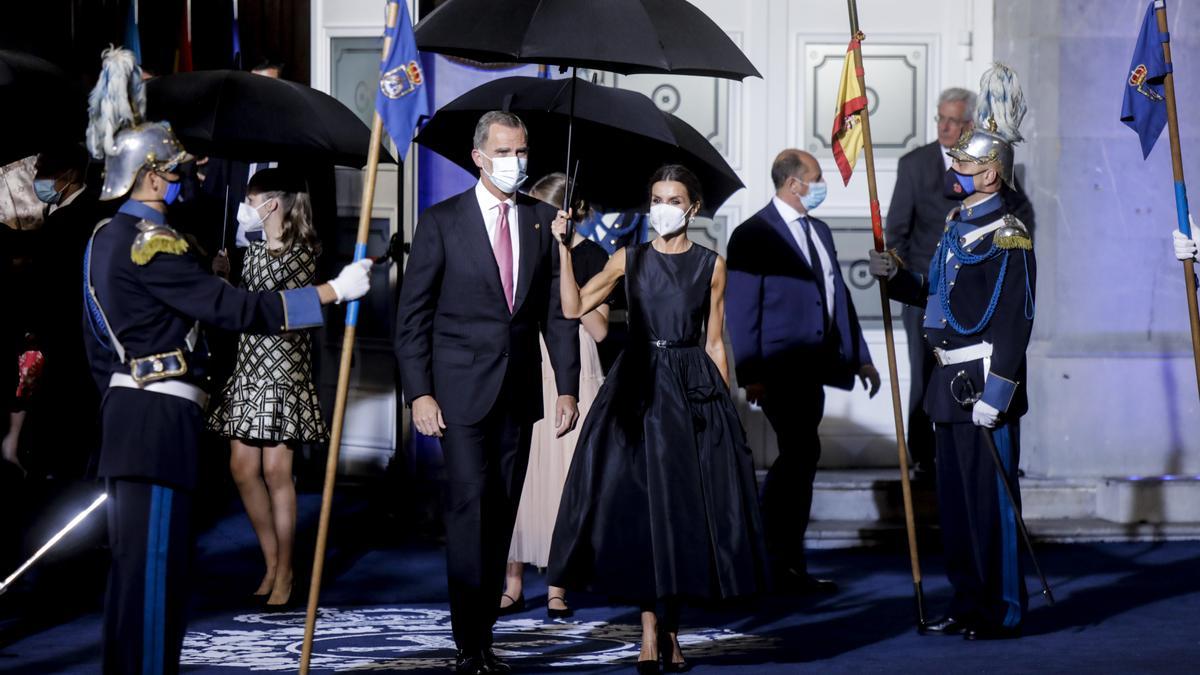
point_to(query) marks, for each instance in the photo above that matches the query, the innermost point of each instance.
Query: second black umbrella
(621, 137)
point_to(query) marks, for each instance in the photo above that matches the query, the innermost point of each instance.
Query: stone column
(1111, 380)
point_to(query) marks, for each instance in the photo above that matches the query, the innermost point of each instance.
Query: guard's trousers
(979, 527)
(149, 534)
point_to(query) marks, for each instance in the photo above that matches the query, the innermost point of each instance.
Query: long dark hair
(680, 174)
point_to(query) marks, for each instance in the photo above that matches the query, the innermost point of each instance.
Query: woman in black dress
(660, 504)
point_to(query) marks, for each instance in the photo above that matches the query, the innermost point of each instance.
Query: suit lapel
(529, 229)
(473, 235)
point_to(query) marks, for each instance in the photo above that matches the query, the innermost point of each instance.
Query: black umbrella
(42, 106)
(623, 137)
(621, 36)
(248, 117)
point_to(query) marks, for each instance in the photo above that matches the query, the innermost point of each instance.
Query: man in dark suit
(794, 330)
(481, 282)
(915, 222)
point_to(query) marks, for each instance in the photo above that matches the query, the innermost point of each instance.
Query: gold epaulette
(154, 239)
(1013, 234)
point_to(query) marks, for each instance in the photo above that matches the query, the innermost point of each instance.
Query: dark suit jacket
(455, 338)
(917, 215)
(773, 307)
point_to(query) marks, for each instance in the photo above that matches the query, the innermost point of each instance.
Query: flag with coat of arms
(1144, 108)
(847, 134)
(403, 97)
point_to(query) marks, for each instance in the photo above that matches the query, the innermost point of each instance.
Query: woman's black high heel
(667, 653)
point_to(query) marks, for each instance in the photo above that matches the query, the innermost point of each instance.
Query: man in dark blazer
(481, 282)
(794, 330)
(915, 222)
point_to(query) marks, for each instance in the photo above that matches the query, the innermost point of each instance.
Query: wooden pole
(343, 382)
(897, 408)
(1181, 203)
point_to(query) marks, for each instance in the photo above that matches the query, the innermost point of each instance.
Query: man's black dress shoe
(993, 633)
(494, 663)
(470, 663)
(946, 626)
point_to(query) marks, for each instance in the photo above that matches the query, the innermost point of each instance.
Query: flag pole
(343, 382)
(877, 231)
(1181, 203)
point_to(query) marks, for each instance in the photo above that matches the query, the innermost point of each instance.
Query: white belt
(184, 390)
(949, 357)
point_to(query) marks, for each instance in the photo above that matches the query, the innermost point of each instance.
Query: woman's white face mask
(249, 217)
(667, 219)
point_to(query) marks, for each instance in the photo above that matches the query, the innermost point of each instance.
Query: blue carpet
(1122, 608)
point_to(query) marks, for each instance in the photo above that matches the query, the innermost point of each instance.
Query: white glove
(1185, 247)
(984, 415)
(353, 281)
(882, 265)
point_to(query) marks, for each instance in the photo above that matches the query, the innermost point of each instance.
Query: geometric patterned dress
(271, 396)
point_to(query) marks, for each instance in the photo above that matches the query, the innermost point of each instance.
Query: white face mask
(508, 173)
(249, 217)
(667, 219)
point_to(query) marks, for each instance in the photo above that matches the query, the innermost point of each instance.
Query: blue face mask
(958, 186)
(44, 187)
(172, 192)
(815, 195)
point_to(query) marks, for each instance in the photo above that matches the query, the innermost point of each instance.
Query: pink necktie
(502, 248)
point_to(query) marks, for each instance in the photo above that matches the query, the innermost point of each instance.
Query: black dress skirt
(661, 500)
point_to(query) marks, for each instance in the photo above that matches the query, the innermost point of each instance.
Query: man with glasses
(915, 222)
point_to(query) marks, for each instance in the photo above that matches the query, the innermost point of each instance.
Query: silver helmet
(998, 122)
(117, 131)
(984, 146)
(149, 145)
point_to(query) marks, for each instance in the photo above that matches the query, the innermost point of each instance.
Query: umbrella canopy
(621, 138)
(42, 106)
(622, 36)
(248, 117)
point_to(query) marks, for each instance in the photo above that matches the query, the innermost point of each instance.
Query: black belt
(672, 344)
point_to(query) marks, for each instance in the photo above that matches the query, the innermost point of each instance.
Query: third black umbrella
(42, 106)
(248, 117)
(622, 138)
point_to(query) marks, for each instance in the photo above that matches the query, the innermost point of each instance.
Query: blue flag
(1145, 106)
(402, 98)
(133, 41)
(237, 40)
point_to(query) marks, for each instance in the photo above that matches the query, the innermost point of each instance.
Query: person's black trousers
(149, 532)
(794, 410)
(485, 471)
(920, 362)
(979, 527)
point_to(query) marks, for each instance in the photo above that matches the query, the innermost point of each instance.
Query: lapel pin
(537, 226)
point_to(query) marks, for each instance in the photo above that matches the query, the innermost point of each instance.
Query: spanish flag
(847, 127)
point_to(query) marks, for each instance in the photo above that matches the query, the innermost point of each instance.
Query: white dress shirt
(489, 206)
(796, 224)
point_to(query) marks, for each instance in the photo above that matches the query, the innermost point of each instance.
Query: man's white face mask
(508, 173)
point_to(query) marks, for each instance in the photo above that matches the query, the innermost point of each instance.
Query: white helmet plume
(1001, 103)
(118, 100)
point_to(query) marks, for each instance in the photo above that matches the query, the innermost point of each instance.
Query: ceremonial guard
(146, 296)
(979, 304)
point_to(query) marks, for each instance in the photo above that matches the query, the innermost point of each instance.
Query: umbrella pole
(339, 406)
(877, 231)
(570, 133)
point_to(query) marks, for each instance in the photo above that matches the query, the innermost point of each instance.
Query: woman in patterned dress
(269, 406)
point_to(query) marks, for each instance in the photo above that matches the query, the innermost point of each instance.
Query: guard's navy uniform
(146, 296)
(979, 305)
